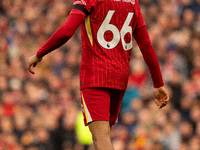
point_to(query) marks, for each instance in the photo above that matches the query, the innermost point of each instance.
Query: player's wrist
(38, 59)
(38, 56)
(158, 88)
(158, 85)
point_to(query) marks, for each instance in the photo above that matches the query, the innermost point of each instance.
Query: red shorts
(100, 104)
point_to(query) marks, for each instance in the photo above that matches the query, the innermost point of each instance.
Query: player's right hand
(33, 60)
(160, 96)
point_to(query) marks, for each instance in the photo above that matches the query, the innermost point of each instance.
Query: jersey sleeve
(140, 22)
(142, 38)
(63, 34)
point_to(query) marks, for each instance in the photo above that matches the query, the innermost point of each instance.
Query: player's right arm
(142, 38)
(60, 37)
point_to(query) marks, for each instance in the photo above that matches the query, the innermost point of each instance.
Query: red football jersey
(107, 41)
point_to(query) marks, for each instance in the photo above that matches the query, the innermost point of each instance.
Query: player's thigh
(100, 128)
(95, 104)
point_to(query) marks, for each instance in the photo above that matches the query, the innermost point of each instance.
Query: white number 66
(106, 26)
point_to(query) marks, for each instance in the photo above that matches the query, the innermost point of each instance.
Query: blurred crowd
(38, 112)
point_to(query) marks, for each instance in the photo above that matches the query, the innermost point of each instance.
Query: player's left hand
(33, 61)
(160, 96)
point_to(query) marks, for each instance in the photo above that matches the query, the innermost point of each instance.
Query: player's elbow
(145, 46)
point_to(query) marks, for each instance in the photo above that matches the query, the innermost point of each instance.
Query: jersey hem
(102, 86)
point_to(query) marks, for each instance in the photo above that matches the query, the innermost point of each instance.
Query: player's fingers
(166, 97)
(164, 100)
(163, 105)
(157, 102)
(35, 64)
(30, 69)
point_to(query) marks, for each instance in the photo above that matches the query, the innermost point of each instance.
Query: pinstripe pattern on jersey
(101, 67)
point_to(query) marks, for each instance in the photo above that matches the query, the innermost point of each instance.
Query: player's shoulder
(88, 4)
(84, 2)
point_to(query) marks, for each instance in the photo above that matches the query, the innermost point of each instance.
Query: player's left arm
(60, 37)
(64, 33)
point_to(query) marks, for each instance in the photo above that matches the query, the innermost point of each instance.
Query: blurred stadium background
(40, 112)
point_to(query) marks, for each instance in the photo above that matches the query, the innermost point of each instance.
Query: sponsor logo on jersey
(127, 1)
(79, 2)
